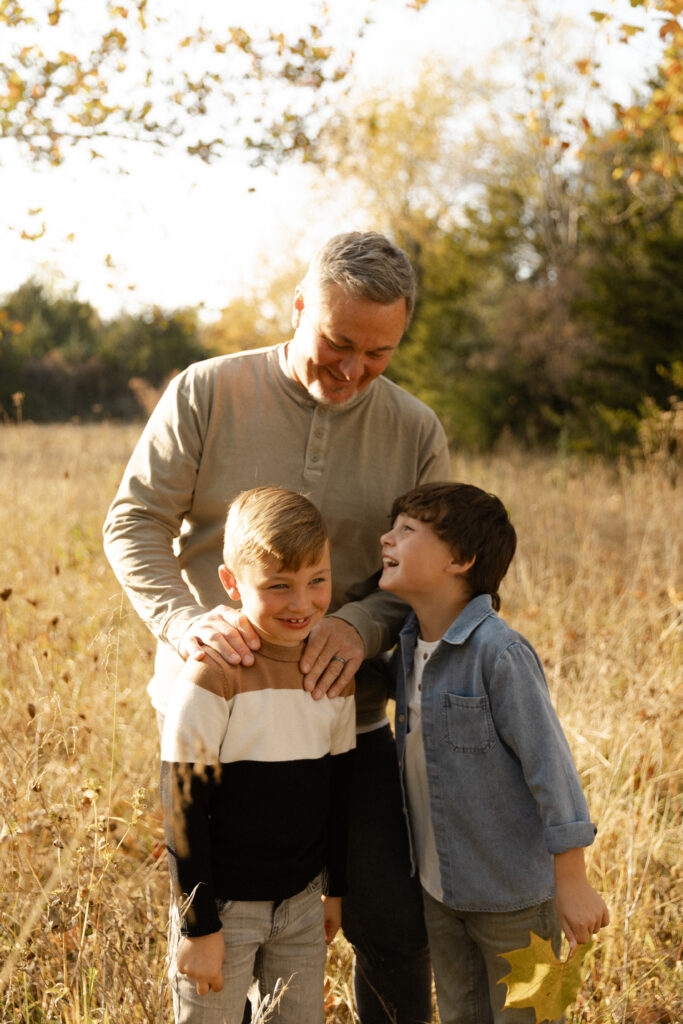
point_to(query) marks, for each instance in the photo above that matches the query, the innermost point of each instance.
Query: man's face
(341, 343)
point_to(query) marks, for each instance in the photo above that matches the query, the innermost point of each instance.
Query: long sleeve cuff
(198, 913)
(560, 838)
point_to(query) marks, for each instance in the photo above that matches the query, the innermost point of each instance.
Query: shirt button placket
(316, 449)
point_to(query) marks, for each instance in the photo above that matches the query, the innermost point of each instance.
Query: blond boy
(253, 782)
(498, 818)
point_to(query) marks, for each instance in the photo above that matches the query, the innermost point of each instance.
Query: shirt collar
(277, 652)
(472, 615)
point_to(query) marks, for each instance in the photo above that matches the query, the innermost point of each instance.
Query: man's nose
(352, 366)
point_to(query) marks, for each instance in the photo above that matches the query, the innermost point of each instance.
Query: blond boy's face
(283, 605)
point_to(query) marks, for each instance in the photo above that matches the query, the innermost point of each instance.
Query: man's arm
(370, 623)
(146, 515)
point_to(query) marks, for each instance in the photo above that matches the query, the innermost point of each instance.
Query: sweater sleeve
(194, 727)
(185, 791)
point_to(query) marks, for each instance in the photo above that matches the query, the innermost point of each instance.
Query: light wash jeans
(266, 940)
(465, 948)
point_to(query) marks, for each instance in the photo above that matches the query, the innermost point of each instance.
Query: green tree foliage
(58, 360)
(262, 316)
(633, 269)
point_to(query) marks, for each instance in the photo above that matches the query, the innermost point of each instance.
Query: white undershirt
(416, 776)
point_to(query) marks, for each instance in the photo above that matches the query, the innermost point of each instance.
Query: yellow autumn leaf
(539, 980)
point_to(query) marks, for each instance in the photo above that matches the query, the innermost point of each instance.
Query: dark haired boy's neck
(435, 619)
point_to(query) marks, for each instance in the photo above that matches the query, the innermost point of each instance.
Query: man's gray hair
(366, 265)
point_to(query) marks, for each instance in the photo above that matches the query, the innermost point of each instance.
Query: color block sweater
(254, 783)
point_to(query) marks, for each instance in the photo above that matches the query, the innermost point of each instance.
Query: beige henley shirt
(235, 422)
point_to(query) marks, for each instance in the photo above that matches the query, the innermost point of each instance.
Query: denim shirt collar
(472, 616)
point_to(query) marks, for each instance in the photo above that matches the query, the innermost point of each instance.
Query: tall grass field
(597, 586)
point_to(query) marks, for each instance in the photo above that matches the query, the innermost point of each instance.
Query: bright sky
(175, 232)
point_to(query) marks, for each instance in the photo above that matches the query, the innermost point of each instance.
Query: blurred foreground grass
(597, 586)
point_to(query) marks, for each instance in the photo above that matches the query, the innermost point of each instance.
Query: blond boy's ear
(458, 568)
(228, 580)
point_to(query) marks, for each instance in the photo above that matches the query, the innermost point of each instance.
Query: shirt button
(314, 458)
(401, 718)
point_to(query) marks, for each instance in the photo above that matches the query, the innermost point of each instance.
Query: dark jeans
(382, 914)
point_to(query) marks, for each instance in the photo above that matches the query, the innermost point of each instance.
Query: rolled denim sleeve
(528, 724)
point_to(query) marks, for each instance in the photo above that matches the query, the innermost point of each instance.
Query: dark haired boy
(497, 815)
(254, 783)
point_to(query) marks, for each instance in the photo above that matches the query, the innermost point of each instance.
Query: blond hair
(270, 522)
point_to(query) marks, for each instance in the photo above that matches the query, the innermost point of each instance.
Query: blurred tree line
(549, 257)
(60, 361)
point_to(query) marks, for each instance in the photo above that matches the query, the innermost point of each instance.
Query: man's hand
(581, 910)
(201, 959)
(333, 654)
(225, 630)
(333, 913)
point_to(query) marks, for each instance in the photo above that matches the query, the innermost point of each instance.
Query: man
(313, 415)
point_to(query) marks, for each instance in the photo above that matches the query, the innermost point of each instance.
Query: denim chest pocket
(467, 723)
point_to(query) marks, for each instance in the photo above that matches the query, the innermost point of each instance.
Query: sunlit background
(139, 226)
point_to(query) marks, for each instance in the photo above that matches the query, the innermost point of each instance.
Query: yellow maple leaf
(540, 981)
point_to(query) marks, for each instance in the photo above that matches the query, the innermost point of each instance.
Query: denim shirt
(504, 793)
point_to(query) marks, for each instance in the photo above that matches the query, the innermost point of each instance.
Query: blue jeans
(466, 948)
(382, 913)
(270, 941)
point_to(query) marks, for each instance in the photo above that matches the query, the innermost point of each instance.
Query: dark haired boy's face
(416, 561)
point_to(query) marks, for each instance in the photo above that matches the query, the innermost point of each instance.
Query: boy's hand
(333, 653)
(333, 913)
(581, 910)
(201, 959)
(227, 631)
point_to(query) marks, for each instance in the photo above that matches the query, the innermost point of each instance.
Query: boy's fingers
(202, 988)
(571, 937)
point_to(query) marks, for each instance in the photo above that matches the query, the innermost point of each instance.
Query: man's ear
(298, 307)
(228, 580)
(458, 568)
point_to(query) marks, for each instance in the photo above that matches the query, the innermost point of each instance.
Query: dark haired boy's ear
(229, 582)
(459, 568)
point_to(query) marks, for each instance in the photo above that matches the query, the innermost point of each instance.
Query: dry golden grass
(597, 586)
